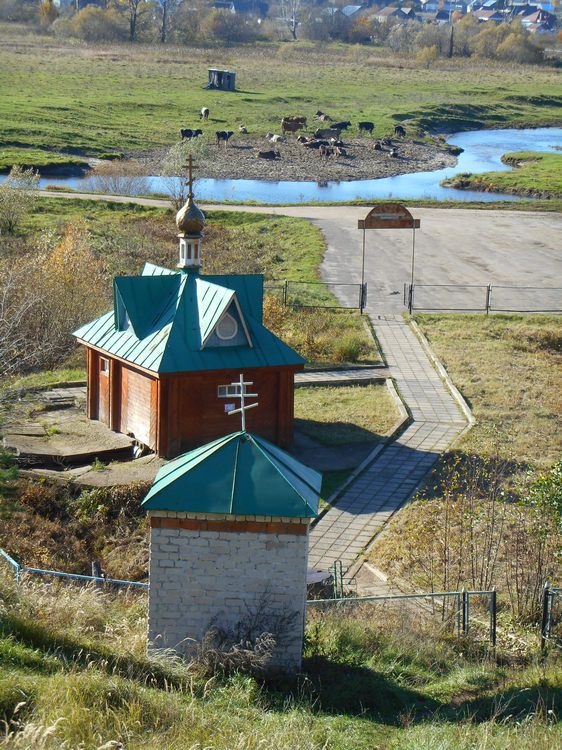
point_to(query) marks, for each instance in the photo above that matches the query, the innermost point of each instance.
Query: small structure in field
(224, 80)
(229, 526)
(161, 363)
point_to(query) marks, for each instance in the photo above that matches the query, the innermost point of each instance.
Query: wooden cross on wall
(242, 395)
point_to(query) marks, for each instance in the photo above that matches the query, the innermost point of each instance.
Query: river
(483, 150)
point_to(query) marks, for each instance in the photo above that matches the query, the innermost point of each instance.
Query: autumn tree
(17, 197)
(48, 13)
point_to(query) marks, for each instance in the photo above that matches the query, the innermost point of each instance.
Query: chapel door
(103, 390)
(137, 408)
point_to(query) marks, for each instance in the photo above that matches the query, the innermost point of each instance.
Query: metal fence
(20, 569)
(551, 625)
(462, 606)
(319, 294)
(484, 298)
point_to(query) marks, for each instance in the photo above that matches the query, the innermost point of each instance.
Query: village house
(162, 363)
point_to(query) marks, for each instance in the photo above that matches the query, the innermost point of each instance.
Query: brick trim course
(234, 526)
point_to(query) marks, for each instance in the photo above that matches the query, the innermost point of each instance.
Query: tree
(167, 12)
(48, 12)
(291, 14)
(17, 196)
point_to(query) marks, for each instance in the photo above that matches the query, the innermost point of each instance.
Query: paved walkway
(396, 473)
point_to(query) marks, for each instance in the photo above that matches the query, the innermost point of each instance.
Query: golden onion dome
(190, 219)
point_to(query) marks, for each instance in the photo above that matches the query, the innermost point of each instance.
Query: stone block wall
(225, 571)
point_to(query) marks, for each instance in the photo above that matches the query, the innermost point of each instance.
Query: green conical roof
(239, 474)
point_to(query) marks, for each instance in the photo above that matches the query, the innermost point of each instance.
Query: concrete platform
(50, 430)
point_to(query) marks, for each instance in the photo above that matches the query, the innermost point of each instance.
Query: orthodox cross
(189, 166)
(242, 395)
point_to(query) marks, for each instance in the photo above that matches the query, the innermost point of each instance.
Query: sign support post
(390, 216)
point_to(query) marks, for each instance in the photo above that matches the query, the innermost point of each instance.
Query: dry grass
(350, 414)
(509, 369)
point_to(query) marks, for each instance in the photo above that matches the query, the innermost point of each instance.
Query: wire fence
(21, 569)
(456, 608)
(338, 296)
(484, 298)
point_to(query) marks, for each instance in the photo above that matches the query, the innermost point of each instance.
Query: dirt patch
(238, 160)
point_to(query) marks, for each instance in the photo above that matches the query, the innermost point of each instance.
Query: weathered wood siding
(138, 406)
(194, 414)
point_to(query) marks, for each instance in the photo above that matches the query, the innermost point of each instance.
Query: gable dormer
(230, 329)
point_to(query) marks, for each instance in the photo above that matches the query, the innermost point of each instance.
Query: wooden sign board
(389, 216)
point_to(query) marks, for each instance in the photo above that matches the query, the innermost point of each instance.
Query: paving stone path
(398, 470)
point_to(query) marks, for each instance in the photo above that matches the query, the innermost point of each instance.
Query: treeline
(179, 22)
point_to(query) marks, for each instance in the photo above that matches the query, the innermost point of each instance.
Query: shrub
(427, 56)
(348, 348)
(97, 25)
(18, 193)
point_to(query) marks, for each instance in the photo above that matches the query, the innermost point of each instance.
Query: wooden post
(545, 621)
(493, 618)
(464, 611)
(488, 298)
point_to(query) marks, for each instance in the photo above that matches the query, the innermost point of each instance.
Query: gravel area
(238, 160)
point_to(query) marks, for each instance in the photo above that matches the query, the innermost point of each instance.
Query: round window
(227, 328)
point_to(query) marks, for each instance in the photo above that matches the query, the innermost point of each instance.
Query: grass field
(509, 369)
(73, 670)
(91, 100)
(44, 161)
(533, 174)
(343, 415)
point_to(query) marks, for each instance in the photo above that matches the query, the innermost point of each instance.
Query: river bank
(238, 160)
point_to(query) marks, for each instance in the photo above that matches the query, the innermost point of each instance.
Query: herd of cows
(326, 140)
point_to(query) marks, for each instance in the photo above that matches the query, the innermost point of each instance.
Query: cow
(274, 138)
(291, 126)
(273, 154)
(400, 131)
(242, 129)
(295, 118)
(327, 133)
(367, 126)
(325, 151)
(189, 133)
(341, 125)
(377, 146)
(223, 136)
(313, 143)
(302, 139)
(204, 114)
(325, 118)
(393, 153)
(338, 151)
(386, 141)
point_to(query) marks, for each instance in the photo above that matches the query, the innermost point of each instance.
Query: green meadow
(533, 174)
(102, 99)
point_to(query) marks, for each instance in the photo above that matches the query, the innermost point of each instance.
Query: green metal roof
(239, 474)
(162, 319)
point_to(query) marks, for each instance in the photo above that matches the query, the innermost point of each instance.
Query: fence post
(493, 617)
(488, 298)
(545, 622)
(363, 297)
(285, 291)
(464, 595)
(459, 610)
(411, 299)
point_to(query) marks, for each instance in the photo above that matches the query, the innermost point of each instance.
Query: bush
(18, 193)
(95, 24)
(348, 348)
(427, 56)
(44, 296)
